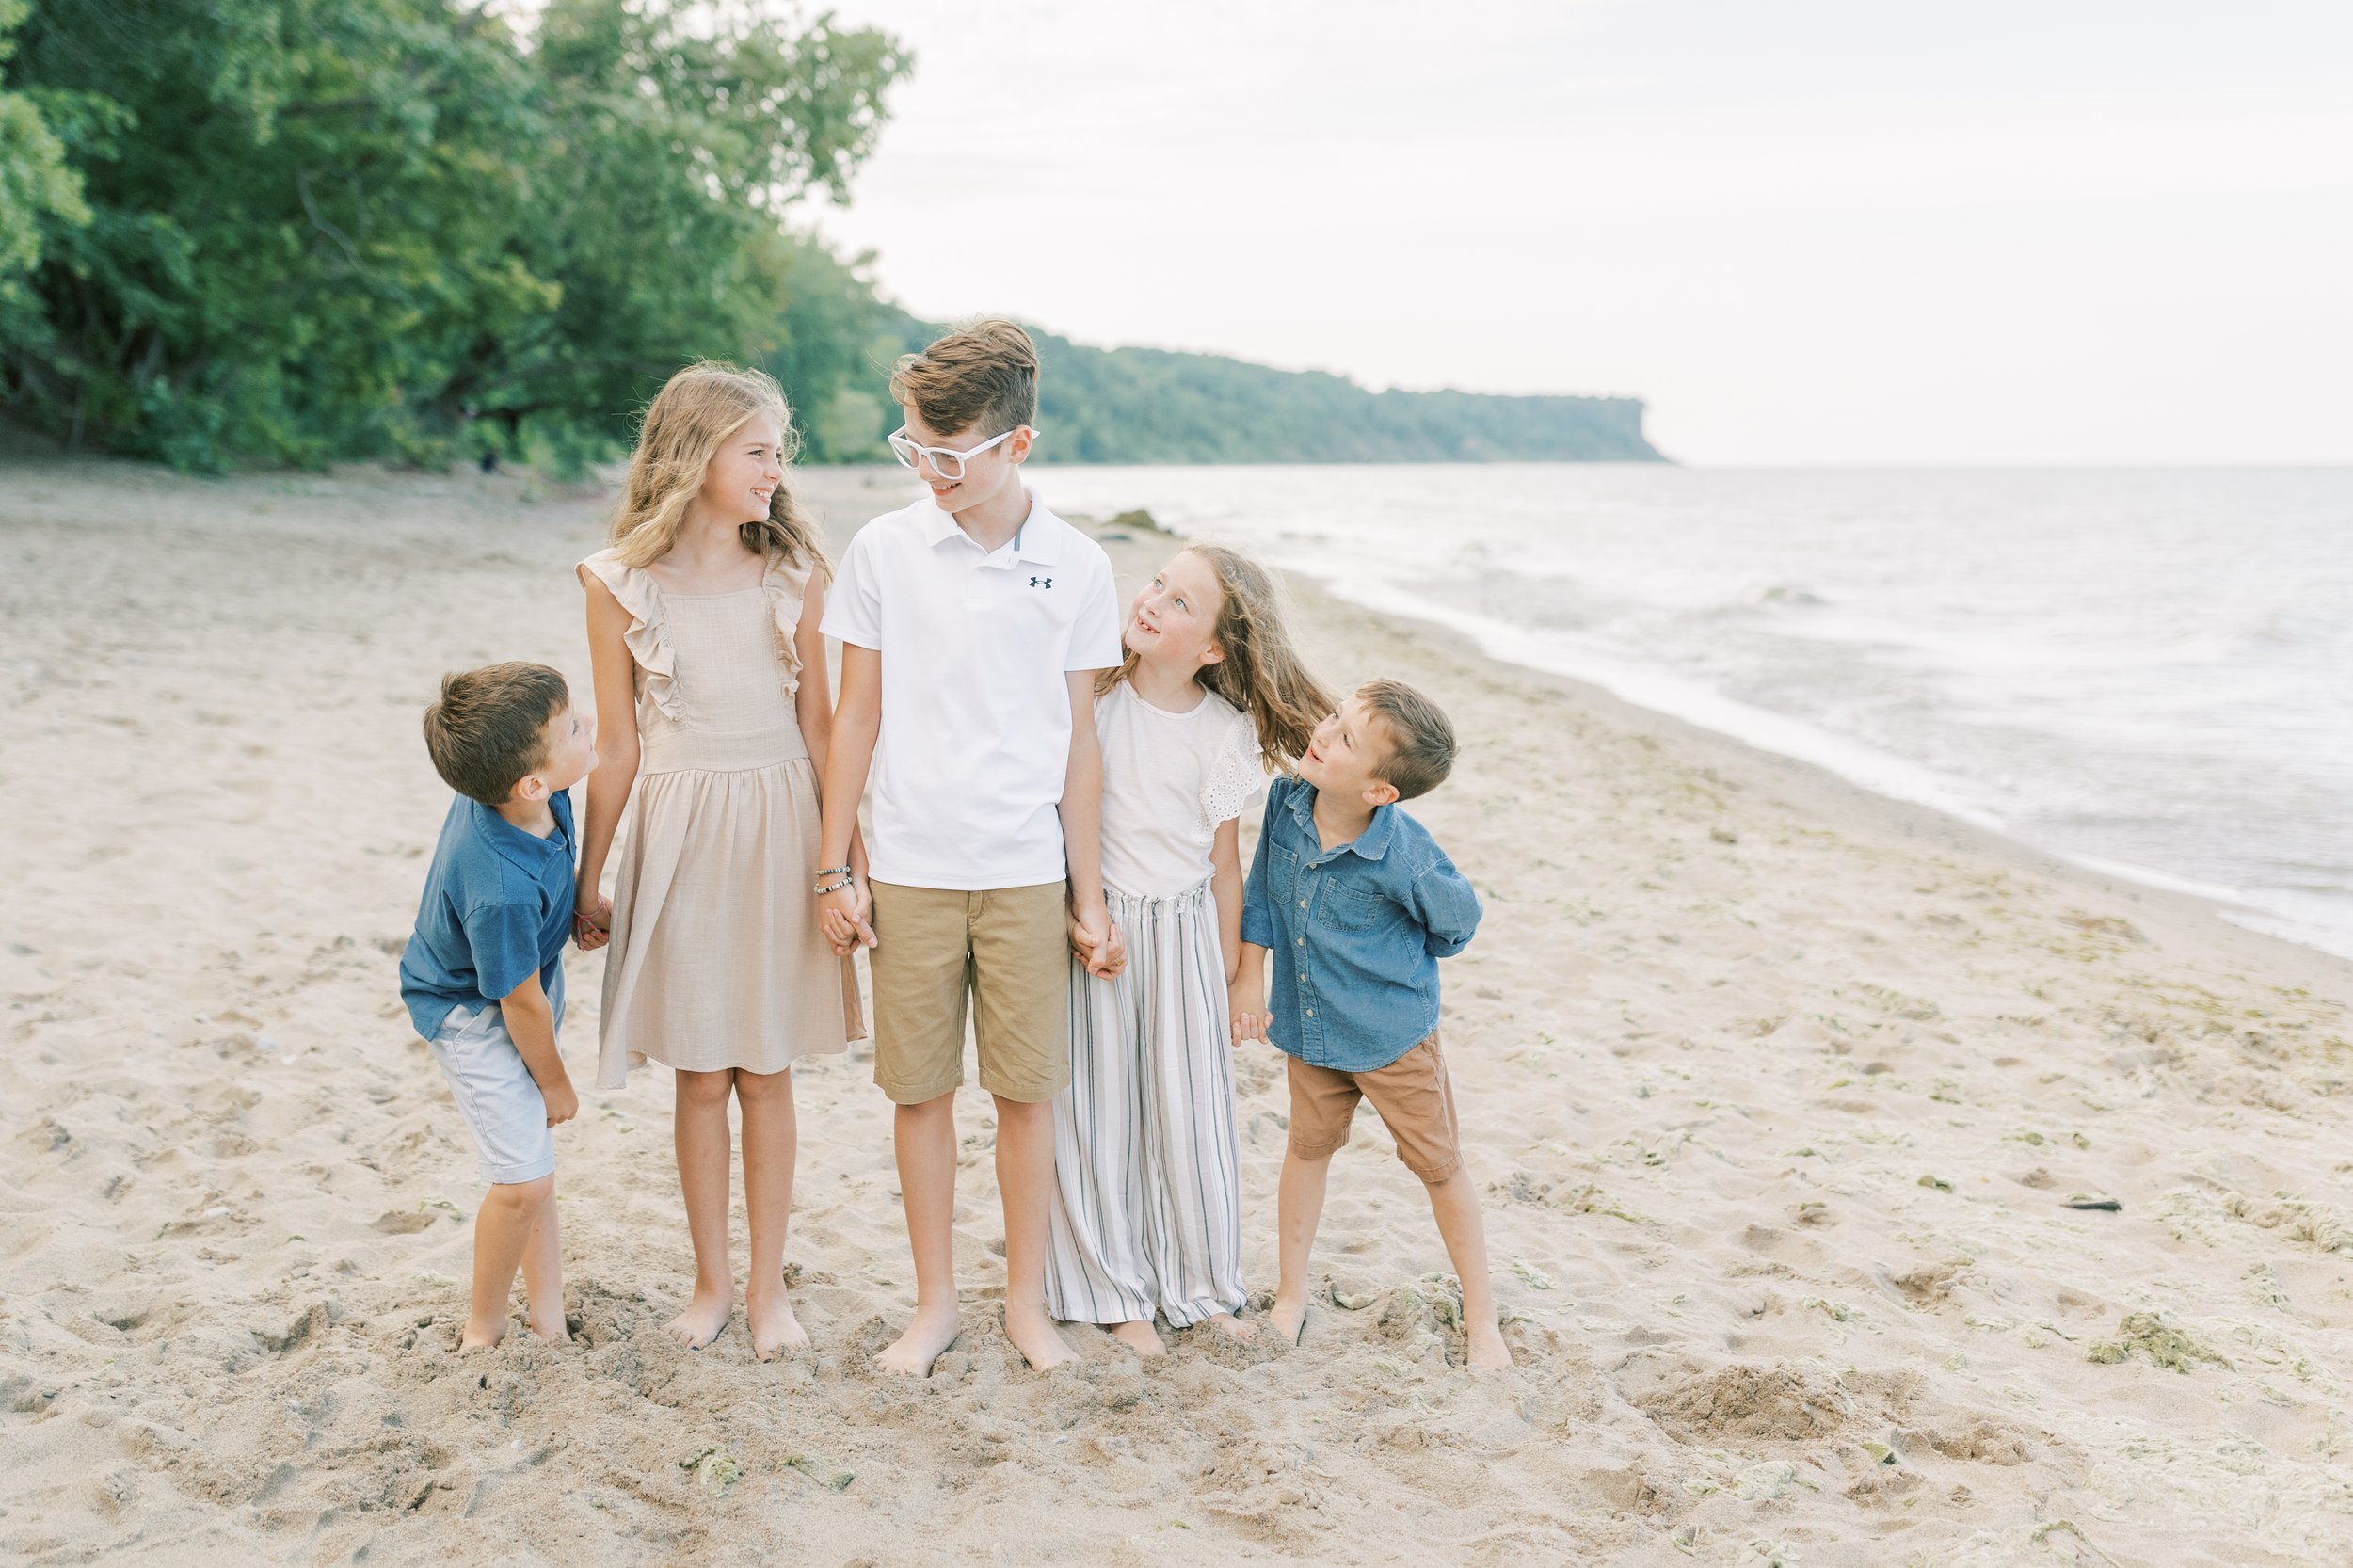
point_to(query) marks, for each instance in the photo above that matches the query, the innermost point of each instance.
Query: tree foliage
(36, 184)
(401, 228)
(1150, 405)
(297, 231)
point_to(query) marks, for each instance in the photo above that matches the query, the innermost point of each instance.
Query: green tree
(323, 227)
(37, 187)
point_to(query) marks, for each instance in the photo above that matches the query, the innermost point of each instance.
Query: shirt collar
(1038, 540)
(1035, 541)
(937, 526)
(526, 851)
(1371, 844)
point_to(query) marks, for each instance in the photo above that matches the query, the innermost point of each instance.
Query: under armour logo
(1041, 582)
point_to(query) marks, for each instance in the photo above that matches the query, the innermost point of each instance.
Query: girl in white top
(1147, 1215)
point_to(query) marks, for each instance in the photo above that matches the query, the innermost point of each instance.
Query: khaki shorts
(1008, 949)
(1416, 1102)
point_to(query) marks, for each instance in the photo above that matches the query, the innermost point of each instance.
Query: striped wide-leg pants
(1147, 1210)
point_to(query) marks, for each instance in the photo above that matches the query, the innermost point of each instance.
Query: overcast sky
(1805, 231)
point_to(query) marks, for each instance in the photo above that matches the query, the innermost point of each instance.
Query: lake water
(2147, 670)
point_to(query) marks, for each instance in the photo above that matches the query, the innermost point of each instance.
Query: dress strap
(636, 592)
(787, 584)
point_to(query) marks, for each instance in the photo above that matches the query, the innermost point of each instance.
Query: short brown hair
(1421, 741)
(489, 729)
(982, 377)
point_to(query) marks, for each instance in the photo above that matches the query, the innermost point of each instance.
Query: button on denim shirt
(1354, 935)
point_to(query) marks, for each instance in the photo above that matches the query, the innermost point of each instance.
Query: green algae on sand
(2155, 1338)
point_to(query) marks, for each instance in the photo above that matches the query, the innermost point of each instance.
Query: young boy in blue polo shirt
(483, 975)
(1357, 903)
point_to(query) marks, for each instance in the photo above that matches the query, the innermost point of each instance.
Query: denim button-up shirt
(1354, 935)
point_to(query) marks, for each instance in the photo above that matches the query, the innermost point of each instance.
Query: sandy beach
(1780, 1096)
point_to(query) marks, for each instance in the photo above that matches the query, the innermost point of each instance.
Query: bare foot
(1032, 1334)
(1289, 1319)
(705, 1318)
(481, 1337)
(925, 1342)
(1488, 1353)
(1233, 1327)
(1139, 1336)
(553, 1329)
(773, 1328)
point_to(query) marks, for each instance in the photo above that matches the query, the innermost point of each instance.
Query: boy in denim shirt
(1358, 903)
(483, 973)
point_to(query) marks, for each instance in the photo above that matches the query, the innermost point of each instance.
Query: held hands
(562, 1103)
(1246, 1004)
(1097, 940)
(592, 923)
(846, 918)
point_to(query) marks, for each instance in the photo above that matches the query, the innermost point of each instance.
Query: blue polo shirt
(1353, 934)
(497, 905)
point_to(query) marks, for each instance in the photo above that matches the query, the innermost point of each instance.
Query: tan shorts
(1009, 949)
(1416, 1102)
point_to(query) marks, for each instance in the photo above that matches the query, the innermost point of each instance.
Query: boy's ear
(534, 788)
(1380, 793)
(1018, 448)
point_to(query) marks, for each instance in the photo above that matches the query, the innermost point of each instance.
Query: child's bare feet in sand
(1231, 1326)
(705, 1318)
(1488, 1353)
(774, 1330)
(1289, 1318)
(1032, 1334)
(1139, 1336)
(926, 1340)
(482, 1337)
(552, 1327)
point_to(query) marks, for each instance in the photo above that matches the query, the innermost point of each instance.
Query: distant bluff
(1151, 406)
(1154, 406)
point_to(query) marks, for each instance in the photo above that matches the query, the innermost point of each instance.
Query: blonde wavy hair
(1263, 673)
(684, 427)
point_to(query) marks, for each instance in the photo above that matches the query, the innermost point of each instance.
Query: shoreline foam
(1556, 631)
(1855, 763)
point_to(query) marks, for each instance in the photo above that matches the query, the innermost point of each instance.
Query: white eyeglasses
(946, 460)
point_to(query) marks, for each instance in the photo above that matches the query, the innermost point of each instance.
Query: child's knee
(1437, 1169)
(521, 1197)
(706, 1088)
(1312, 1152)
(763, 1088)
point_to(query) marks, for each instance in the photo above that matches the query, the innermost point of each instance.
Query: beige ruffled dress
(716, 960)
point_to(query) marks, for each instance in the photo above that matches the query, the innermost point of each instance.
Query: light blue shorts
(495, 1091)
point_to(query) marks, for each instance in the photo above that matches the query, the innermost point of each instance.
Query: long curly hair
(684, 427)
(1263, 673)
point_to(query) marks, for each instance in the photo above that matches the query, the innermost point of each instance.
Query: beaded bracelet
(833, 871)
(824, 887)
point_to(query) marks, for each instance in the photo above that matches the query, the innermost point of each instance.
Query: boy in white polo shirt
(972, 625)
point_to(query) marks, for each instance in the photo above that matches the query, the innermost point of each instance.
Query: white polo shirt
(976, 653)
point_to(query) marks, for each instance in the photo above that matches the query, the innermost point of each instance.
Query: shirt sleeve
(854, 601)
(1095, 637)
(1257, 915)
(503, 938)
(1237, 775)
(1447, 907)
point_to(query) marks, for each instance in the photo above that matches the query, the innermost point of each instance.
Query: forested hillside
(291, 231)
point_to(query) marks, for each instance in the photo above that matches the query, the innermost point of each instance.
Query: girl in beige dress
(702, 625)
